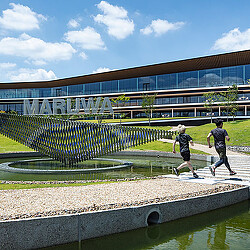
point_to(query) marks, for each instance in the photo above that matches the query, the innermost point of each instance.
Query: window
(232, 75)
(147, 83)
(110, 86)
(167, 81)
(247, 73)
(128, 85)
(75, 90)
(188, 79)
(210, 78)
(45, 92)
(92, 88)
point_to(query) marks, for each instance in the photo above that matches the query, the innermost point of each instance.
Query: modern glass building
(179, 85)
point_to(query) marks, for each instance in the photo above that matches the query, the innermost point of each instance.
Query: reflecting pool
(142, 167)
(225, 228)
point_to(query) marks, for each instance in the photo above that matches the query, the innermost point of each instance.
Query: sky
(43, 40)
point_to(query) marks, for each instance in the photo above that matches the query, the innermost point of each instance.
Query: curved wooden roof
(207, 62)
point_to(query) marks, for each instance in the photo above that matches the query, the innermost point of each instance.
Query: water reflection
(218, 241)
(226, 228)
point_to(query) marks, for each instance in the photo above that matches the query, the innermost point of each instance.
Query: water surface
(225, 228)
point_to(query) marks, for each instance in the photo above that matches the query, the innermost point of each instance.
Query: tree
(211, 98)
(148, 105)
(229, 99)
(122, 99)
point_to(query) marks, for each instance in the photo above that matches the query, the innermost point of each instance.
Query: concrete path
(240, 163)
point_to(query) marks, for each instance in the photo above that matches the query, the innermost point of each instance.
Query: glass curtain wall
(193, 79)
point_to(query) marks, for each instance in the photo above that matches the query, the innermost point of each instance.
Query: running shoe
(212, 169)
(176, 171)
(195, 175)
(232, 173)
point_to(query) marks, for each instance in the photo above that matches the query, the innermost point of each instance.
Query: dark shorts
(221, 152)
(186, 155)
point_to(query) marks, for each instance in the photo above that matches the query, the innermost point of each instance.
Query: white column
(195, 112)
(131, 114)
(219, 110)
(246, 110)
(172, 112)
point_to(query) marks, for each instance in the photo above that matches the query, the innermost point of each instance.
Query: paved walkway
(239, 162)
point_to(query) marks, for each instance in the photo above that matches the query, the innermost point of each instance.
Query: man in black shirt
(219, 135)
(184, 140)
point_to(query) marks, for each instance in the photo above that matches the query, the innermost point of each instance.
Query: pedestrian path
(240, 163)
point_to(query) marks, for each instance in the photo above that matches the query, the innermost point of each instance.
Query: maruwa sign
(60, 106)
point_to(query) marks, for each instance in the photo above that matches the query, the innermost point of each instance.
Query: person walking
(184, 140)
(219, 135)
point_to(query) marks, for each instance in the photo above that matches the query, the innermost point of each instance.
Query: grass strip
(7, 186)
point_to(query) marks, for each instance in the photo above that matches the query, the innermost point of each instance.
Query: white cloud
(116, 19)
(83, 56)
(35, 49)
(29, 75)
(38, 62)
(234, 40)
(20, 18)
(101, 70)
(160, 27)
(7, 65)
(73, 23)
(86, 39)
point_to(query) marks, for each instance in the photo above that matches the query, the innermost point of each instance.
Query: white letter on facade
(33, 110)
(91, 105)
(45, 108)
(58, 104)
(77, 106)
(106, 105)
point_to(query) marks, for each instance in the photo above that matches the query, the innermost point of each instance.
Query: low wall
(48, 231)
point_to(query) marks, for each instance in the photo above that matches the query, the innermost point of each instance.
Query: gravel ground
(27, 203)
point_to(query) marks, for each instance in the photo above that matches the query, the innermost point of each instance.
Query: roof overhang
(199, 63)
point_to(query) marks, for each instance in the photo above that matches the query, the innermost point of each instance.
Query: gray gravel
(26, 203)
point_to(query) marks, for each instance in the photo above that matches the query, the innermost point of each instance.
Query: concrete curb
(49, 231)
(7, 167)
(20, 155)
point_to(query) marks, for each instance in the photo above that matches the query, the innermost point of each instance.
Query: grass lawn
(30, 186)
(8, 145)
(238, 131)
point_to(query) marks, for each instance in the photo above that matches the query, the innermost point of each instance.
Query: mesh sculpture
(71, 141)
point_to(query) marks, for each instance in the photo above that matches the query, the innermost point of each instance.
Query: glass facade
(192, 79)
(225, 76)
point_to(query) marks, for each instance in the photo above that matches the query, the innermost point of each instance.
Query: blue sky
(53, 39)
